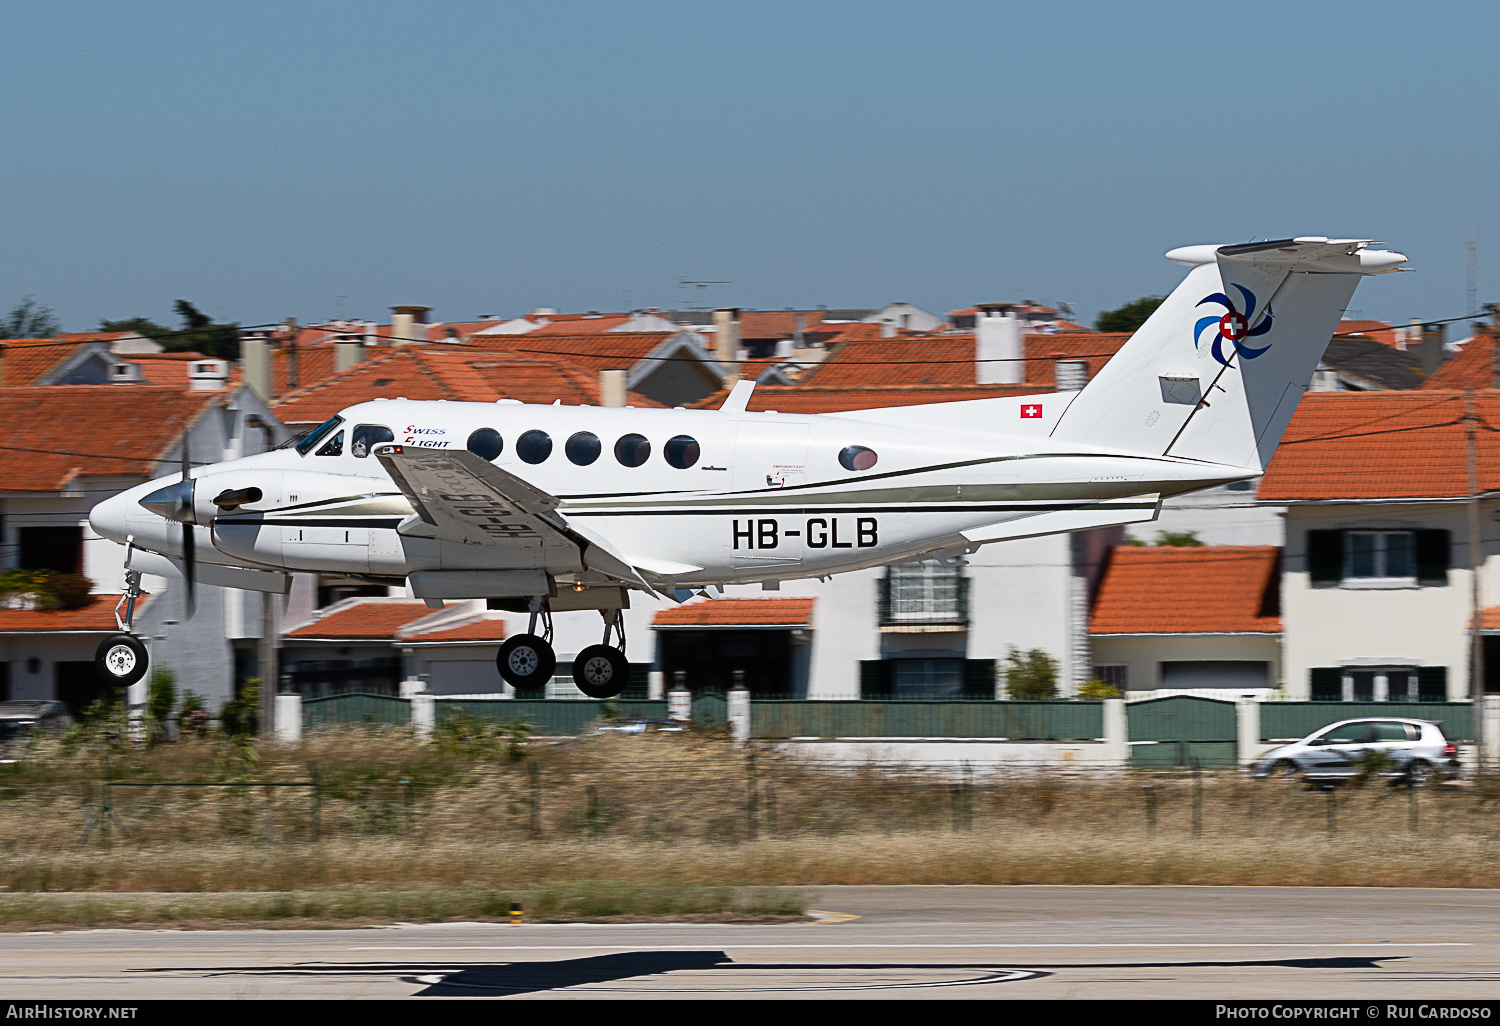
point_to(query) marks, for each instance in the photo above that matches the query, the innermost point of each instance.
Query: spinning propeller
(175, 502)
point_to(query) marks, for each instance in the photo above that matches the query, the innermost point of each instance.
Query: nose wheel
(121, 659)
(602, 671)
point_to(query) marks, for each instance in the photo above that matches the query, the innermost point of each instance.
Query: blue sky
(315, 159)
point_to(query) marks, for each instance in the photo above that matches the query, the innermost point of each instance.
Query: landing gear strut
(527, 661)
(602, 671)
(121, 659)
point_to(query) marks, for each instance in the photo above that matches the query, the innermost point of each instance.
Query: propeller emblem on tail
(1233, 326)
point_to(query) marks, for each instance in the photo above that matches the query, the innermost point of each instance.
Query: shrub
(1097, 690)
(1030, 675)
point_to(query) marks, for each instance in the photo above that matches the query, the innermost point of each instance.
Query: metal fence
(555, 718)
(1016, 720)
(1294, 720)
(354, 708)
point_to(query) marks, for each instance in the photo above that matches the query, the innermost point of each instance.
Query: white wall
(1143, 656)
(1220, 516)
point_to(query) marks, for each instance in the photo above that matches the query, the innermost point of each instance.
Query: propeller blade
(189, 570)
(187, 462)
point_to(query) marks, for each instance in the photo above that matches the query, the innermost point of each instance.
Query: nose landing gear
(121, 659)
(602, 671)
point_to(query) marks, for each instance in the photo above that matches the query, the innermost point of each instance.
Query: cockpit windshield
(314, 436)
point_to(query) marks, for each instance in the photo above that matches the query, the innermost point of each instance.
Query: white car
(1417, 749)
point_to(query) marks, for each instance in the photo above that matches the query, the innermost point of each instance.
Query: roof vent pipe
(255, 362)
(347, 352)
(727, 342)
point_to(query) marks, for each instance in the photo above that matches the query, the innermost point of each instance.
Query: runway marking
(894, 945)
(833, 917)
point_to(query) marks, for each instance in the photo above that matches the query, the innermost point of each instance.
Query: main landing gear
(527, 661)
(121, 659)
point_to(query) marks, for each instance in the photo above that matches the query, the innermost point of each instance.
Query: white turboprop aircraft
(553, 508)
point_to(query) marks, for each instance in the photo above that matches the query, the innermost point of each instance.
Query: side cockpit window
(317, 434)
(367, 436)
(334, 446)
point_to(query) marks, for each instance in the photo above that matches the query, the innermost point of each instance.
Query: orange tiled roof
(315, 363)
(588, 353)
(949, 359)
(779, 324)
(1217, 589)
(1489, 619)
(24, 360)
(455, 373)
(1380, 331)
(51, 434)
(98, 616)
(1472, 368)
(579, 324)
(1383, 445)
(737, 612)
(815, 399)
(364, 618)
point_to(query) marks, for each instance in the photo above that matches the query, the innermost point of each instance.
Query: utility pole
(1476, 567)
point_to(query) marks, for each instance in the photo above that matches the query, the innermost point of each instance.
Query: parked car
(1417, 750)
(19, 719)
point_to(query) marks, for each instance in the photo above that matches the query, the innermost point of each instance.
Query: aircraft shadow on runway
(446, 978)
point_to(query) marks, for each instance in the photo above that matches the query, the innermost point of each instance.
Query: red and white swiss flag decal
(1031, 411)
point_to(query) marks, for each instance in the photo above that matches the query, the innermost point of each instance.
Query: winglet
(739, 397)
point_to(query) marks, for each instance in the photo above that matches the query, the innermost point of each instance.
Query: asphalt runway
(1220, 943)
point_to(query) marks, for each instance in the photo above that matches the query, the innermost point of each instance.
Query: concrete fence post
(680, 705)
(1491, 733)
(1116, 732)
(656, 686)
(288, 713)
(1247, 722)
(411, 687)
(423, 714)
(739, 715)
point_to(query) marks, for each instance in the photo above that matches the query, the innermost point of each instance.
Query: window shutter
(1327, 681)
(1433, 550)
(1325, 556)
(874, 678)
(1432, 683)
(979, 679)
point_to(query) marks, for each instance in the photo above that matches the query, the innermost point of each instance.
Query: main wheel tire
(526, 662)
(1420, 774)
(601, 671)
(121, 660)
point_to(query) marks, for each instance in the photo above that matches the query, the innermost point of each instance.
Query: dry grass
(661, 826)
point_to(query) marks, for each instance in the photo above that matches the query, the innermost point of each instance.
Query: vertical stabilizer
(1217, 371)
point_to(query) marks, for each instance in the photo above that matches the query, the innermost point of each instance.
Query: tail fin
(1217, 371)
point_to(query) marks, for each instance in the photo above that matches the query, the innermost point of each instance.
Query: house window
(1071, 375)
(1378, 559)
(1379, 555)
(924, 593)
(1379, 684)
(1113, 674)
(52, 548)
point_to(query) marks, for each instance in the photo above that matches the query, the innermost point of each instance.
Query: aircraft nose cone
(175, 502)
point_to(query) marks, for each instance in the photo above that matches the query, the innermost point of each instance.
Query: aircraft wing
(462, 497)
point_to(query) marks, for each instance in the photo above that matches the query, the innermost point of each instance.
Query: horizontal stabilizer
(1133, 510)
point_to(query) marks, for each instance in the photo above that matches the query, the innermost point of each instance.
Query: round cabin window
(857, 457)
(583, 448)
(681, 452)
(486, 443)
(534, 446)
(632, 450)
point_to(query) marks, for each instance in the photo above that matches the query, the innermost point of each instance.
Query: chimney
(208, 375)
(1432, 348)
(727, 342)
(1493, 310)
(255, 361)
(404, 321)
(612, 388)
(998, 346)
(347, 352)
(2, 366)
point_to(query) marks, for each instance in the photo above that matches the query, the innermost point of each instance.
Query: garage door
(463, 677)
(1212, 673)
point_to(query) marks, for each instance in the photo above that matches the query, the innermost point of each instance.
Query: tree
(1179, 539)
(1128, 317)
(198, 334)
(1030, 676)
(30, 320)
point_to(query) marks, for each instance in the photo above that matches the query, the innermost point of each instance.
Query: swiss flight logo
(1031, 411)
(1234, 326)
